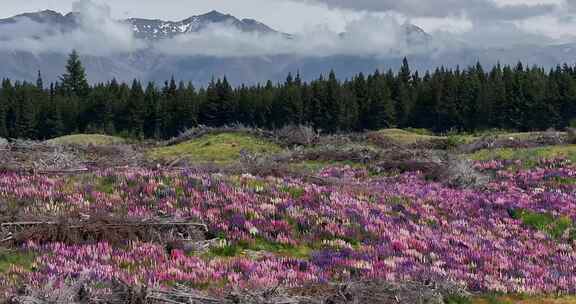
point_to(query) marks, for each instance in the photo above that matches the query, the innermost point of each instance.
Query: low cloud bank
(95, 32)
(369, 36)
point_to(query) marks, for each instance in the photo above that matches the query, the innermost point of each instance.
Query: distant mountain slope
(149, 29)
(150, 64)
(158, 29)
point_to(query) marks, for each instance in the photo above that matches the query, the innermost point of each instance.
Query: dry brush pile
(27, 155)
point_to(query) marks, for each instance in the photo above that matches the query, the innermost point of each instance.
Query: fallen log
(143, 224)
(70, 171)
(114, 231)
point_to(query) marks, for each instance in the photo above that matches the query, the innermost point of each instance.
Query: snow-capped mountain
(148, 29)
(46, 16)
(158, 29)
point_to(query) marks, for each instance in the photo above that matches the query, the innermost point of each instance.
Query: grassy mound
(87, 139)
(402, 137)
(219, 148)
(530, 156)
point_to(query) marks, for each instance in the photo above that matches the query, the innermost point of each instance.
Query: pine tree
(361, 94)
(424, 113)
(5, 102)
(220, 106)
(350, 111)
(26, 112)
(331, 118)
(381, 112)
(153, 120)
(135, 111)
(74, 80)
(51, 123)
(402, 94)
(39, 81)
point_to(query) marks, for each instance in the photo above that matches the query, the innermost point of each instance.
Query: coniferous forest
(517, 97)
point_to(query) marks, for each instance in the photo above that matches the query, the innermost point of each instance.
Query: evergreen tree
(74, 80)
(508, 97)
(51, 121)
(26, 112)
(402, 93)
(220, 106)
(381, 111)
(39, 81)
(135, 111)
(332, 117)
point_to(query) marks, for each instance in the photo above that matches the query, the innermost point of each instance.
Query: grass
(554, 226)
(15, 258)
(314, 166)
(520, 135)
(260, 245)
(217, 148)
(530, 156)
(87, 139)
(404, 137)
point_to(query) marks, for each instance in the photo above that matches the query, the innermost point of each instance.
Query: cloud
(93, 32)
(490, 35)
(369, 36)
(382, 34)
(474, 9)
(97, 33)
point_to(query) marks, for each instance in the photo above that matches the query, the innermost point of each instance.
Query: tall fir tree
(381, 111)
(39, 81)
(74, 81)
(403, 94)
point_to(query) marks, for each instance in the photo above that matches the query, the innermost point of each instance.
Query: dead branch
(88, 230)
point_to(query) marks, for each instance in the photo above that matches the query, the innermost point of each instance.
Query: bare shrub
(297, 135)
(74, 293)
(460, 173)
(548, 138)
(330, 152)
(4, 143)
(571, 135)
(440, 166)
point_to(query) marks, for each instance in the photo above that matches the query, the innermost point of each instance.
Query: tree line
(505, 97)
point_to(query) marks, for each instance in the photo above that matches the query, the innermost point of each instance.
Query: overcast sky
(551, 17)
(476, 22)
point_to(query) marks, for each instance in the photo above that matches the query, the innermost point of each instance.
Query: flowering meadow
(515, 235)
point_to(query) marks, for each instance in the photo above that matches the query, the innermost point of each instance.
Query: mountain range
(149, 64)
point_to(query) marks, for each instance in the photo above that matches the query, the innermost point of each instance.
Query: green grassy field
(405, 137)
(87, 139)
(218, 148)
(529, 156)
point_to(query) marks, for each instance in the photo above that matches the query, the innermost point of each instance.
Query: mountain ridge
(156, 29)
(150, 29)
(149, 64)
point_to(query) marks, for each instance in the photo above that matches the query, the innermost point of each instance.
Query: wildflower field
(515, 235)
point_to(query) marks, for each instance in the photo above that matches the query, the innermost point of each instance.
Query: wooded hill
(472, 99)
